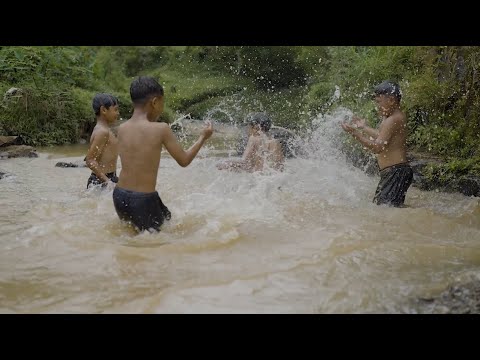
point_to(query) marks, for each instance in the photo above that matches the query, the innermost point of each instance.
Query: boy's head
(387, 95)
(259, 120)
(389, 88)
(146, 92)
(106, 106)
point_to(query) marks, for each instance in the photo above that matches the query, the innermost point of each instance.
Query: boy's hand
(207, 131)
(110, 185)
(359, 123)
(348, 128)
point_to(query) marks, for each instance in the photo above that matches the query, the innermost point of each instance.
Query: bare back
(266, 151)
(104, 149)
(393, 131)
(140, 145)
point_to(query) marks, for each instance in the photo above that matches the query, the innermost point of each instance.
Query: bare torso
(395, 151)
(140, 144)
(267, 151)
(108, 160)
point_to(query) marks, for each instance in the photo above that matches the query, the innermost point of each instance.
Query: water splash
(307, 239)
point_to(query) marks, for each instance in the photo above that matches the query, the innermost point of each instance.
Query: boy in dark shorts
(103, 153)
(140, 142)
(388, 143)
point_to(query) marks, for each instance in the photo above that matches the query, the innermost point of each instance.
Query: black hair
(388, 88)
(143, 88)
(260, 118)
(103, 99)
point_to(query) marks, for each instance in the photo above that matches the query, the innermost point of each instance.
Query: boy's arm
(278, 157)
(362, 125)
(247, 158)
(380, 143)
(182, 157)
(250, 150)
(95, 152)
(370, 131)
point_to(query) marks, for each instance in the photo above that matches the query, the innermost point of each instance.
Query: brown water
(307, 240)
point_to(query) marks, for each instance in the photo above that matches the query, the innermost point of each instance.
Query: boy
(103, 153)
(389, 143)
(261, 148)
(140, 141)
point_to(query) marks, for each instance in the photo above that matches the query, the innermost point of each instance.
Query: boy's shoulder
(100, 128)
(150, 127)
(155, 124)
(161, 127)
(397, 117)
(99, 131)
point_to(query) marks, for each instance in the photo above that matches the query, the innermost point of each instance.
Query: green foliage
(109, 74)
(189, 84)
(313, 60)
(440, 90)
(441, 95)
(270, 67)
(440, 87)
(66, 66)
(452, 170)
(168, 116)
(45, 117)
(449, 142)
(319, 98)
(136, 59)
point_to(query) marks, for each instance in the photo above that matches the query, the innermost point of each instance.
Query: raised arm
(246, 163)
(379, 144)
(278, 157)
(362, 125)
(95, 152)
(250, 151)
(182, 157)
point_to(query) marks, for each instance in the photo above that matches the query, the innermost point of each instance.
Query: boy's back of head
(260, 118)
(103, 99)
(388, 88)
(143, 88)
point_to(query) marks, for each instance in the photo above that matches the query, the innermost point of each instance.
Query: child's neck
(140, 113)
(390, 111)
(102, 122)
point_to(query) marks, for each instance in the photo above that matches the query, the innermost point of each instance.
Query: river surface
(306, 240)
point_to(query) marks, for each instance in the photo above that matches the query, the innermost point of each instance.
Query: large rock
(15, 151)
(9, 140)
(12, 92)
(418, 162)
(419, 180)
(457, 299)
(70, 164)
(469, 185)
(365, 161)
